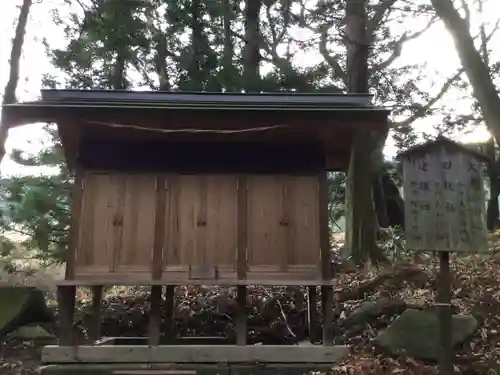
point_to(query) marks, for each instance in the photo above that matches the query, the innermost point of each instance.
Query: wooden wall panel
(201, 226)
(267, 231)
(283, 228)
(116, 230)
(98, 237)
(304, 215)
(139, 212)
(199, 240)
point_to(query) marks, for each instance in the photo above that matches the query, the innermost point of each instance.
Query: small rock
(370, 310)
(416, 333)
(30, 333)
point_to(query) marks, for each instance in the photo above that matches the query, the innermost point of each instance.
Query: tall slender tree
(475, 62)
(9, 95)
(251, 51)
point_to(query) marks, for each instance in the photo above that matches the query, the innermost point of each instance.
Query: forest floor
(278, 315)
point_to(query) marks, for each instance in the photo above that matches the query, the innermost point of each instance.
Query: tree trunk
(361, 221)
(475, 67)
(379, 202)
(377, 162)
(160, 59)
(9, 95)
(357, 46)
(228, 53)
(119, 80)
(195, 70)
(251, 51)
(492, 211)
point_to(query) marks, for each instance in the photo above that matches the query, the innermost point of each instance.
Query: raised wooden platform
(194, 354)
(183, 369)
(96, 281)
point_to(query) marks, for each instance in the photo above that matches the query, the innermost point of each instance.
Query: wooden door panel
(304, 218)
(139, 212)
(201, 225)
(267, 234)
(283, 227)
(98, 236)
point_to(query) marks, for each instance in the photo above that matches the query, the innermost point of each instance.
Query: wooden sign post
(444, 212)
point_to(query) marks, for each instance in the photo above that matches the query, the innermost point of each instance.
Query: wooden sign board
(444, 199)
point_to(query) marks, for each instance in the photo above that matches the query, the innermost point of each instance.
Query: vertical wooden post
(327, 304)
(66, 302)
(76, 207)
(95, 321)
(169, 313)
(443, 303)
(241, 297)
(326, 266)
(157, 258)
(155, 315)
(312, 314)
(241, 315)
(157, 262)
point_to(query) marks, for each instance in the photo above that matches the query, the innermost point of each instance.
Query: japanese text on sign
(444, 202)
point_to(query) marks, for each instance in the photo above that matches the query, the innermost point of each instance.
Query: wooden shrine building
(198, 189)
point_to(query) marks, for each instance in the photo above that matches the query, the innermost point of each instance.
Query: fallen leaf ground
(278, 315)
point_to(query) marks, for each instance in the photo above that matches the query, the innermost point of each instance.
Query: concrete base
(206, 354)
(221, 369)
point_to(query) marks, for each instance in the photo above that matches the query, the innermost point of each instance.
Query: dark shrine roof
(327, 121)
(55, 102)
(225, 100)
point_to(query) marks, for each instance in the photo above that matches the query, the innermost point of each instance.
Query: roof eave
(334, 99)
(39, 111)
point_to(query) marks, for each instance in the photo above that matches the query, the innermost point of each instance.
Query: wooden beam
(242, 227)
(155, 315)
(76, 207)
(326, 266)
(327, 306)
(95, 322)
(241, 265)
(169, 313)
(157, 261)
(241, 315)
(134, 280)
(183, 369)
(312, 314)
(324, 228)
(66, 301)
(194, 354)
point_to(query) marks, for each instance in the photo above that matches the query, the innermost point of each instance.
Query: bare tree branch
(466, 9)
(138, 64)
(278, 38)
(380, 11)
(478, 73)
(398, 45)
(482, 32)
(9, 95)
(333, 63)
(420, 112)
(495, 28)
